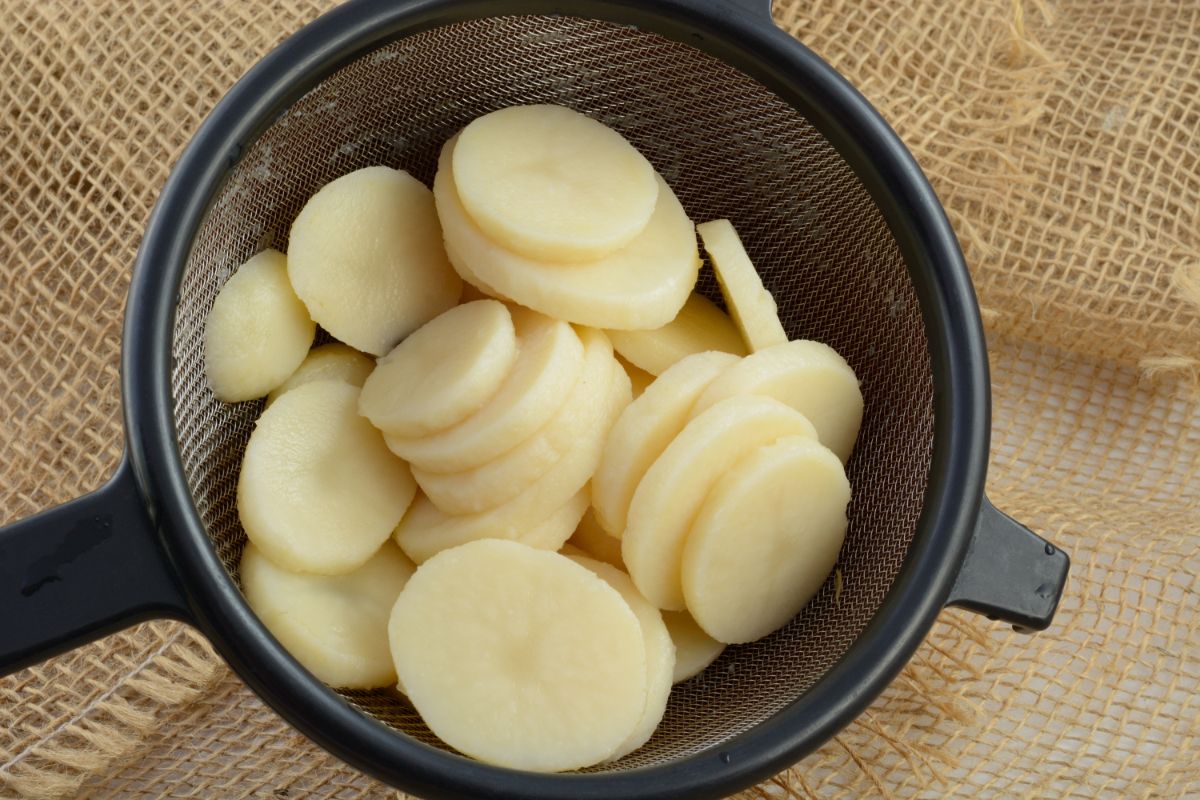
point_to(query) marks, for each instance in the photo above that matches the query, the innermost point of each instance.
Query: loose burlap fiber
(1064, 139)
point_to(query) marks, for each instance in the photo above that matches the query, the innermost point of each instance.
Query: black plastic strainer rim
(741, 35)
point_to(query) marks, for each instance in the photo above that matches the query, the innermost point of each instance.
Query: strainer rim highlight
(748, 42)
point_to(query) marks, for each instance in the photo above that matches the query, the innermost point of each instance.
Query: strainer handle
(1010, 573)
(82, 570)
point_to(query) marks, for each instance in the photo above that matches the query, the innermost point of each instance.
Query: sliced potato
(645, 429)
(549, 362)
(592, 541)
(791, 496)
(506, 476)
(643, 285)
(443, 372)
(700, 326)
(335, 625)
(638, 377)
(258, 331)
(694, 649)
(552, 184)
(501, 674)
(425, 530)
(660, 652)
(751, 305)
(673, 489)
(318, 491)
(365, 255)
(808, 376)
(329, 362)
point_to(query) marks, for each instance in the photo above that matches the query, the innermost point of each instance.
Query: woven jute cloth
(1064, 139)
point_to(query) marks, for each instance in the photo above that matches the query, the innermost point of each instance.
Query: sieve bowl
(744, 122)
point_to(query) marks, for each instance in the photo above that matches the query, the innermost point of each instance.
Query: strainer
(744, 123)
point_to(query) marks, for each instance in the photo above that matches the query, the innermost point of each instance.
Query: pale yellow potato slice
(765, 540)
(426, 530)
(670, 495)
(639, 379)
(329, 362)
(335, 625)
(643, 285)
(645, 429)
(553, 184)
(365, 255)
(507, 475)
(694, 649)
(519, 657)
(443, 372)
(660, 652)
(700, 326)
(549, 362)
(751, 305)
(318, 491)
(593, 541)
(258, 331)
(808, 376)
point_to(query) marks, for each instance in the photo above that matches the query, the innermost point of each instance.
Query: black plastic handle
(82, 570)
(1010, 573)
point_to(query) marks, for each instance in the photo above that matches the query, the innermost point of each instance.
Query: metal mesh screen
(730, 148)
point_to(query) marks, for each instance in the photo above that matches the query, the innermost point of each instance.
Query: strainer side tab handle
(82, 570)
(1010, 573)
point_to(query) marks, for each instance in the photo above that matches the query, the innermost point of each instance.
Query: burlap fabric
(1064, 139)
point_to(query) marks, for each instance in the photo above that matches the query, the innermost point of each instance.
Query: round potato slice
(752, 306)
(700, 326)
(549, 362)
(503, 675)
(506, 476)
(329, 362)
(335, 625)
(660, 652)
(645, 429)
(643, 285)
(553, 184)
(258, 331)
(443, 372)
(426, 530)
(319, 491)
(694, 649)
(808, 376)
(765, 540)
(673, 489)
(593, 541)
(365, 255)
